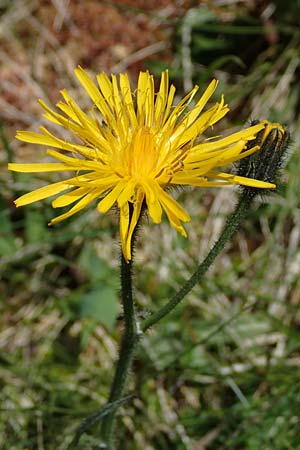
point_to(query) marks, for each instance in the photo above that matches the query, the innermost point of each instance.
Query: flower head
(139, 147)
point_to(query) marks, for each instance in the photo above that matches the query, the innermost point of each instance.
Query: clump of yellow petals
(138, 146)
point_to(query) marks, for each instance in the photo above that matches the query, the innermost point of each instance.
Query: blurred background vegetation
(223, 371)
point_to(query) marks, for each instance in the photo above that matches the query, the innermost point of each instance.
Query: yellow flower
(138, 147)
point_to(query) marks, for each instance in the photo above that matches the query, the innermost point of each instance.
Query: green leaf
(95, 267)
(100, 303)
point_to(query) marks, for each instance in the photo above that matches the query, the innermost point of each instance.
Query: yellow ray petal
(37, 138)
(191, 116)
(205, 121)
(161, 97)
(235, 179)
(247, 134)
(144, 91)
(69, 197)
(120, 111)
(73, 110)
(66, 107)
(237, 155)
(94, 93)
(78, 164)
(168, 107)
(107, 182)
(58, 118)
(88, 85)
(169, 203)
(76, 208)
(178, 109)
(105, 86)
(49, 140)
(124, 226)
(88, 132)
(126, 92)
(36, 167)
(42, 193)
(112, 197)
(137, 207)
(152, 193)
(127, 193)
(173, 218)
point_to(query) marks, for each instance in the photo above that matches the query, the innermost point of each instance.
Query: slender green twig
(95, 417)
(232, 224)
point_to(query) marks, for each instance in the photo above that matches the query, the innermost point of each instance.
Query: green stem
(128, 345)
(232, 224)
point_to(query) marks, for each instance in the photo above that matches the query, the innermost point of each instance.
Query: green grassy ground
(223, 371)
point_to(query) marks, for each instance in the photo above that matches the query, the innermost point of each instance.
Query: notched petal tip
(20, 134)
(79, 69)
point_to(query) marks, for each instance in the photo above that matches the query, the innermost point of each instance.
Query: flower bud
(265, 164)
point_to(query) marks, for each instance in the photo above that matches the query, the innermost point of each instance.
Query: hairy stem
(127, 349)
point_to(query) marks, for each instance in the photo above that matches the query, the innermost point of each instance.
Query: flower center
(142, 153)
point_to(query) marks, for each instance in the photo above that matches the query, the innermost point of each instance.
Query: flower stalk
(127, 349)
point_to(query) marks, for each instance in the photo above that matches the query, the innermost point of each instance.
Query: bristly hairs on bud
(266, 163)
